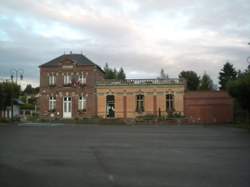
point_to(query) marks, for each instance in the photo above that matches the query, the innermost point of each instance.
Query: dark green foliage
(28, 106)
(192, 79)
(240, 89)
(29, 90)
(226, 74)
(8, 91)
(206, 82)
(121, 74)
(113, 74)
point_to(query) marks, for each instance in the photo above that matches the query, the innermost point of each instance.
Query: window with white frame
(82, 79)
(52, 103)
(82, 103)
(67, 79)
(52, 80)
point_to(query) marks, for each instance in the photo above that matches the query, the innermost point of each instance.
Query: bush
(149, 117)
(4, 120)
(27, 106)
(174, 115)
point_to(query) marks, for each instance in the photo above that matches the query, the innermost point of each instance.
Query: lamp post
(15, 73)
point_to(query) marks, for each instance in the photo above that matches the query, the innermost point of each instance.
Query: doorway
(110, 104)
(67, 107)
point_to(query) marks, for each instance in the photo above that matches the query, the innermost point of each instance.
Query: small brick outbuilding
(208, 107)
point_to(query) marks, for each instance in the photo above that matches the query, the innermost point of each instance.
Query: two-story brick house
(67, 87)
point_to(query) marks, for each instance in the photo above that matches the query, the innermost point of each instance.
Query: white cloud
(141, 36)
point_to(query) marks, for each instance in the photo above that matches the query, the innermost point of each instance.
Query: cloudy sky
(142, 36)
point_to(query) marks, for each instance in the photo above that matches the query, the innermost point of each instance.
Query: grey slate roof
(76, 58)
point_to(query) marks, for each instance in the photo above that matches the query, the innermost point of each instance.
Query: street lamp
(15, 73)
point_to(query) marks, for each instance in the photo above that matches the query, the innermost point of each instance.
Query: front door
(67, 107)
(110, 103)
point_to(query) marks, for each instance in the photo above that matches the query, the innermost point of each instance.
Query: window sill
(82, 111)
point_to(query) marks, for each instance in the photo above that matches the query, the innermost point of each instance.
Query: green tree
(226, 74)
(2, 95)
(240, 89)
(108, 72)
(9, 91)
(121, 75)
(113, 74)
(192, 79)
(206, 82)
(28, 90)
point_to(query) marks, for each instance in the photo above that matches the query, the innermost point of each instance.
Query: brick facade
(92, 74)
(126, 102)
(127, 95)
(208, 107)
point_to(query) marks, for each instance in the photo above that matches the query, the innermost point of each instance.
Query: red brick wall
(208, 107)
(59, 91)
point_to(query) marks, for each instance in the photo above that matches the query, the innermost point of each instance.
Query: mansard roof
(78, 59)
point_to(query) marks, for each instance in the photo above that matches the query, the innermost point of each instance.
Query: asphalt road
(123, 156)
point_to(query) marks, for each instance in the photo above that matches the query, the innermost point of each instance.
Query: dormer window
(52, 80)
(67, 79)
(82, 79)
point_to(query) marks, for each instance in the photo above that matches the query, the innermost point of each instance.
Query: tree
(192, 79)
(163, 75)
(240, 89)
(108, 72)
(206, 82)
(121, 75)
(28, 90)
(8, 92)
(113, 74)
(2, 95)
(226, 74)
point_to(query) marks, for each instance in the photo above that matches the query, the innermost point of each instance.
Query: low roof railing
(112, 82)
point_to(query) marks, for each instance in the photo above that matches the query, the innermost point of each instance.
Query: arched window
(170, 102)
(140, 103)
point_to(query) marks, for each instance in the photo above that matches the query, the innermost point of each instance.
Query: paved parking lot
(94, 155)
